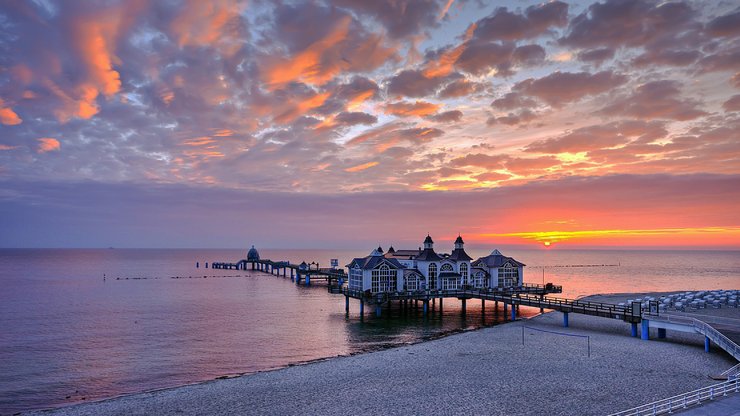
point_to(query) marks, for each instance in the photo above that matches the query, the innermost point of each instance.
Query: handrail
(684, 400)
(703, 328)
(718, 338)
(732, 371)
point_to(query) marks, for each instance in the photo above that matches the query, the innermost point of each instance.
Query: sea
(80, 325)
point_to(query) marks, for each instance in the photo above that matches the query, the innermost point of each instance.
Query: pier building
(425, 269)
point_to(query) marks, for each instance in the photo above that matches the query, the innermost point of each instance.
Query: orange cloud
(47, 144)
(307, 65)
(199, 141)
(445, 9)
(358, 99)
(167, 96)
(405, 109)
(8, 116)
(204, 23)
(223, 133)
(82, 103)
(293, 109)
(94, 40)
(446, 63)
(362, 167)
(6, 147)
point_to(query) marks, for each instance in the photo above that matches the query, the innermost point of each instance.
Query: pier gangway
(605, 310)
(711, 327)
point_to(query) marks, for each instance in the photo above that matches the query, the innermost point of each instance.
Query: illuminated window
(412, 282)
(480, 279)
(432, 276)
(355, 279)
(508, 275)
(384, 279)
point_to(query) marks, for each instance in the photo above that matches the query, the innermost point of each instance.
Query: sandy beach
(487, 371)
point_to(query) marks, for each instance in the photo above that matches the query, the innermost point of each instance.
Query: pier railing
(682, 401)
(705, 329)
(606, 310)
(496, 293)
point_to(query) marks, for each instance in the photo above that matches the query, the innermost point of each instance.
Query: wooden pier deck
(305, 272)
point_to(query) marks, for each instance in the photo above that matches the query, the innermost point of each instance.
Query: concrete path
(725, 406)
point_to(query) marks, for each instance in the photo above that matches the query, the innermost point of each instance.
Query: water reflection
(68, 335)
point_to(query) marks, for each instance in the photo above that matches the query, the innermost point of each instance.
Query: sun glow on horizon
(635, 236)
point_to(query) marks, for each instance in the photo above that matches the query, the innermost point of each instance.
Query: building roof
(402, 254)
(459, 254)
(428, 254)
(496, 259)
(252, 254)
(371, 262)
(391, 250)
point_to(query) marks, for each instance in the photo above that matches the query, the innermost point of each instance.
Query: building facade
(425, 269)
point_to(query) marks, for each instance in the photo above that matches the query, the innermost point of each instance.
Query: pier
(300, 273)
(640, 317)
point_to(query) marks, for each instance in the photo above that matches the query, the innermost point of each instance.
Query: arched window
(355, 278)
(413, 282)
(384, 279)
(508, 275)
(480, 279)
(432, 276)
(464, 272)
(447, 267)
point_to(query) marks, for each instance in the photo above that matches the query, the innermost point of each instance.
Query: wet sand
(489, 371)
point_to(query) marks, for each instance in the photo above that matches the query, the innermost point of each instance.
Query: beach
(501, 370)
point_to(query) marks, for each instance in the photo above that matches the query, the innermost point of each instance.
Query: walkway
(725, 406)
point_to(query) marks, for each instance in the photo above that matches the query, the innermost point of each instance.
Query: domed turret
(253, 255)
(459, 242)
(428, 243)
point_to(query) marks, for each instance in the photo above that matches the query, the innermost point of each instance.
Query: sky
(348, 123)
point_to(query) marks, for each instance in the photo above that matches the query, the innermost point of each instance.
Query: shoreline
(214, 388)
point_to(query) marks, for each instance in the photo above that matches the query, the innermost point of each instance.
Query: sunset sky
(351, 123)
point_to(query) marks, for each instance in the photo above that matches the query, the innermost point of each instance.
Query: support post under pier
(661, 332)
(426, 307)
(633, 325)
(346, 303)
(565, 319)
(464, 301)
(707, 344)
(308, 279)
(362, 308)
(513, 313)
(645, 333)
(378, 310)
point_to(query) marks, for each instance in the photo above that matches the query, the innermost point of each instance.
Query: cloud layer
(340, 96)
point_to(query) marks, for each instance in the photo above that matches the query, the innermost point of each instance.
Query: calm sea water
(67, 335)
